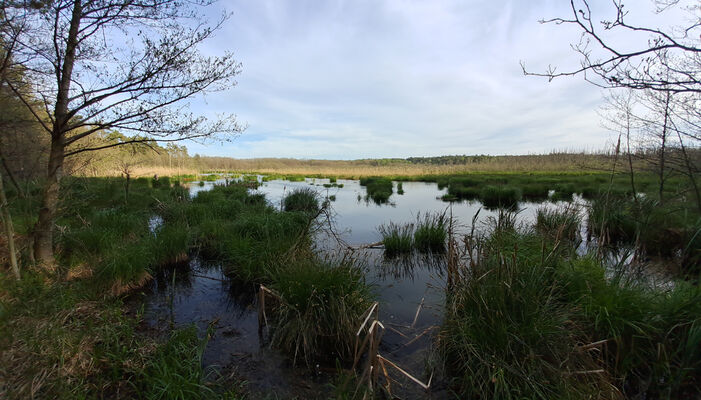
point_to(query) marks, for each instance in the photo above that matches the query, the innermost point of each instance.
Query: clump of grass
(295, 178)
(397, 239)
(332, 179)
(320, 309)
(200, 183)
(505, 334)
(302, 199)
(558, 223)
(400, 188)
(465, 193)
(431, 233)
(500, 196)
(332, 197)
(516, 325)
(175, 371)
(163, 181)
(564, 192)
(449, 197)
(535, 192)
(378, 189)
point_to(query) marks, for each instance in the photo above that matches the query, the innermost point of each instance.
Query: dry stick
(365, 342)
(408, 375)
(389, 381)
(430, 328)
(593, 344)
(397, 332)
(366, 315)
(367, 246)
(418, 310)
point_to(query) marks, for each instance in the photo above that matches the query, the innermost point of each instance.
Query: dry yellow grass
(360, 168)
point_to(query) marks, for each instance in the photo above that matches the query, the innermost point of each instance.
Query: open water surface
(410, 291)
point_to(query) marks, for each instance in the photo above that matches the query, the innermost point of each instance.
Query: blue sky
(355, 79)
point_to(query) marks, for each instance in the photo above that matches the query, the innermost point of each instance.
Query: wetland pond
(410, 291)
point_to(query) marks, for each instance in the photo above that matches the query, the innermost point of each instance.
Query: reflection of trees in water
(403, 267)
(179, 274)
(183, 279)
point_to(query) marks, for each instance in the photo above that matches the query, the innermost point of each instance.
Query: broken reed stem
(418, 310)
(425, 386)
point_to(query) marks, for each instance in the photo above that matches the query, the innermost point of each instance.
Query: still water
(410, 291)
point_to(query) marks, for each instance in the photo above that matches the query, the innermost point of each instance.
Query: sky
(351, 79)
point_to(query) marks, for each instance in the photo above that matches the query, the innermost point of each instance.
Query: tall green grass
(500, 196)
(532, 319)
(302, 199)
(320, 309)
(431, 233)
(397, 239)
(558, 223)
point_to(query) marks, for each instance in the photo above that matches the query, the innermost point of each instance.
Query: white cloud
(398, 78)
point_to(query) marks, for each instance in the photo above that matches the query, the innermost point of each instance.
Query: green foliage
(302, 199)
(397, 239)
(515, 326)
(431, 233)
(175, 371)
(500, 196)
(378, 189)
(320, 309)
(558, 223)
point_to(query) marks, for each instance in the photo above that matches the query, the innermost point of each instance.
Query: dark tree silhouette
(665, 59)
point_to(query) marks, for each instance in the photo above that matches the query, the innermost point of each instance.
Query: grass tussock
(397, 239)
(378, 189)
(320, 309)
(501, 196)
(532, 319)
(561, 223)
(431, 233)
(302, 199)
(657, 229)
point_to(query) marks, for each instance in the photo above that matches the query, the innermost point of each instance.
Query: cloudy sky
(348, 79)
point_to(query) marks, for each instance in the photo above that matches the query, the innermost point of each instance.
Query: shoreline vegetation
(588, 334)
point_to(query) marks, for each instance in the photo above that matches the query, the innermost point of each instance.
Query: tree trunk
(9, 231)
(43, 230)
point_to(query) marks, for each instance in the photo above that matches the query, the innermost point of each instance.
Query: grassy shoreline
(70, 334)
